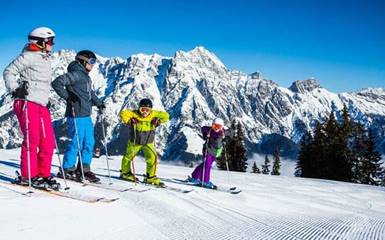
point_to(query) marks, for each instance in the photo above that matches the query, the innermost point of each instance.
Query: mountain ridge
(194, 87)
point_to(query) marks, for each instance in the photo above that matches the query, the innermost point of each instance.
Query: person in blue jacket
(76, 88)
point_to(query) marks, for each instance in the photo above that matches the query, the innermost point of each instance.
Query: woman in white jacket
(28, 78)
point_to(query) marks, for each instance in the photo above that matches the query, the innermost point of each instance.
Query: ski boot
(209, 185)
(72, 175)
(153, 181)
(91, 177)
(51, 183)
(129, 177)
(19, 180)
(194, 181)
(36, 182)
(39, 183)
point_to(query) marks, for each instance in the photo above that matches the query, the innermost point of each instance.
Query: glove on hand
(101, 108)
(72, 98)
(133, 121)
(21, 91)
(155, 122)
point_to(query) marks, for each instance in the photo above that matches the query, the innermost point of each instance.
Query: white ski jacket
(35, 68)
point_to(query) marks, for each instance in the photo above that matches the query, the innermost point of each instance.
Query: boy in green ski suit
(143, 123)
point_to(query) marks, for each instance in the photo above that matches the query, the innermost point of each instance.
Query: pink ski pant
(39, 139)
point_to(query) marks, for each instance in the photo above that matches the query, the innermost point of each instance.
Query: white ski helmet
(218, 121)
(41, 35)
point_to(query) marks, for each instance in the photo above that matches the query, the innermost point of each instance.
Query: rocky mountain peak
(302, 86)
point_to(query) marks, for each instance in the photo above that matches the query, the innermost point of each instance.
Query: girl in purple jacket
(212, 149)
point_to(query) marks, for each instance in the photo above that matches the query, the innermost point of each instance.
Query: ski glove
(101, 108)
(21, 91)
(72, 98)
(133, 121)
(49, 105)
(155, 122)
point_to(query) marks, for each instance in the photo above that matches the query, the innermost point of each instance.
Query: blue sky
(341, 43)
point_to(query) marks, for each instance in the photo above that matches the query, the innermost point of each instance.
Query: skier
(143, 123)
(28, 78)
(212, 149)
(75, 87)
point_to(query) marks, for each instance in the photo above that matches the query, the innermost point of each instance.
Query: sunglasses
(144, 109)
(216, 126)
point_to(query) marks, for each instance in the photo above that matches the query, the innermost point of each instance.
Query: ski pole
(60, 163)
(105, 147)
(227, 168)
(204, 161)
(132, 160)
(28, 146)
(79, 150)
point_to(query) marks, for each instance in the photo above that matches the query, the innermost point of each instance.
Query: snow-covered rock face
(304, 86)
(194, 87)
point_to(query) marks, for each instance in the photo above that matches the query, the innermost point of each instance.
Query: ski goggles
(90, 61)
(217, 127)
(144, 109)
(50, 42)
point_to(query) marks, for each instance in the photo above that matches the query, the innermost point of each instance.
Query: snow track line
(325, 228)
(271, 231)
(189, 227)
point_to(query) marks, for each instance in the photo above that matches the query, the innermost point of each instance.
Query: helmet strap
(34, 47)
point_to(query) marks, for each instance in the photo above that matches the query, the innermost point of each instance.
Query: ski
(166, 187)
(232, 190)
(71, 195)
(107, 186)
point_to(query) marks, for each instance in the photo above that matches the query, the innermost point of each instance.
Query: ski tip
(235, 192)
(109, 200)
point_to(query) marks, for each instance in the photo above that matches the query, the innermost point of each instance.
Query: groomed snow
(269, 207)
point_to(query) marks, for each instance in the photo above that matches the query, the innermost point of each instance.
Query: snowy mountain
(269, 207)
(194, 87)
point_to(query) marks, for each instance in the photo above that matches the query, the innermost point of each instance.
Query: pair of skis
(232, 190)
(78, 196)
(163, 186)
(66, 194)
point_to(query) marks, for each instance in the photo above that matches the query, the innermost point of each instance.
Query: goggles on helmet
(50, 42)
(217, 126)
(90, 61)
(41, 41)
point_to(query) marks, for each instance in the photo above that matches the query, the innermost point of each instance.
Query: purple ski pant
(197, 173)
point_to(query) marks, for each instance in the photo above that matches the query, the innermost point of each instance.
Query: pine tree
(303, 167)
(318, 166)
(346, 144)
(266, 165)
(241, 150)
(357, 152)
(346, 123)
(276, 163)
(371, 171)
(235, 150)
(337, 150)
(255, 168)
(331, 162)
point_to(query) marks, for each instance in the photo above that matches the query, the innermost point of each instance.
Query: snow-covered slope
(269, 207)
(194, 87)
